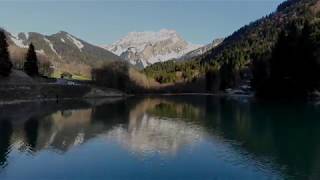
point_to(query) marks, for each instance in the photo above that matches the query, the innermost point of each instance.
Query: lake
(168, 137)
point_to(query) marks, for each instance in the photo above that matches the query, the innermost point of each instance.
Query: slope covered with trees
(231, 62)
(257, 39)
(172, 71)
(293, 68)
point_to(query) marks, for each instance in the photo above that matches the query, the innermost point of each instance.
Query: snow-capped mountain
(145, 48)
(65, 51)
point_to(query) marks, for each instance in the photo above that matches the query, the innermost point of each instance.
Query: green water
(184, 137)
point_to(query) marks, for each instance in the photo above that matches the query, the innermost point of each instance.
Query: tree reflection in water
(5, 136)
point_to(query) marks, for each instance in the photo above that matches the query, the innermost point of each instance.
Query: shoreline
(197, 94)
(19, 101)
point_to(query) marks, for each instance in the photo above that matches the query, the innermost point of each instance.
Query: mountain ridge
(201, 50)
(66, 52)
(146, 48)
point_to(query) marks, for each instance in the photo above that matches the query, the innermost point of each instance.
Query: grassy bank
(20, 87)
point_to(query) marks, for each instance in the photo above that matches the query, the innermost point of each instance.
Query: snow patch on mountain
(17, 41)
(76, 42)
(139, 40)
(148, 47)
(26, 34)
(41, 51)
(51, 46)
(171, 55)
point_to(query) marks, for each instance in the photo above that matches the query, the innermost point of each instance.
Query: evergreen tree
(5, 63)
(279, 66)
(31, 63)
(308, 76)
(228, 75)
(212, 80)
(294, 70)
(260, 72)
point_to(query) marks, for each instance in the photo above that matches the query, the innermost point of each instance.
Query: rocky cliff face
(146, 48)
(201, 50)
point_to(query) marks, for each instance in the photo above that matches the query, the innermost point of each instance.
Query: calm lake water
(187, 137)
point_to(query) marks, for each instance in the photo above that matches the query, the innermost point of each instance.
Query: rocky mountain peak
(145, 48)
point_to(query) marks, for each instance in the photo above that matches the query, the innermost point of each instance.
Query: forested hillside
(229, 62)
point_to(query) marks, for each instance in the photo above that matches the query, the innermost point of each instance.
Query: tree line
(31, 61)
(173, 71)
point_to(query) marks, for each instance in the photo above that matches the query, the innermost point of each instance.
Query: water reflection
(150, 130)
(6, 132)
(266, 139)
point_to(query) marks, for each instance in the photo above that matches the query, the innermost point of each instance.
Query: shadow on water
(31, 127)
(6, 132)
(284, 136)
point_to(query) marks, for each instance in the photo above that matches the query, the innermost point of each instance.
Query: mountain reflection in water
(211, 137)
(147, 132)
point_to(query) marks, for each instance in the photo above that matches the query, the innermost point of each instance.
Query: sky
(103, 21)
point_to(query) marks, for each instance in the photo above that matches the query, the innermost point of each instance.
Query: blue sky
(103, 21)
